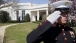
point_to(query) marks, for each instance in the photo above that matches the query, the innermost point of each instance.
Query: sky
(35, 1)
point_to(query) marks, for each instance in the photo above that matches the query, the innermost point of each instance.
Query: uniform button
(63, 29)
(56, 39)
(59, 26)
(65, 38)
(64, 33)
(74, 40)
(73, 36)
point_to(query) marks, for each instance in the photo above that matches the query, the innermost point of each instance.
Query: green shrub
(4, 16)
(43, 17)
(75, 24)
(70, 24)
(15, 21)
(27, 18)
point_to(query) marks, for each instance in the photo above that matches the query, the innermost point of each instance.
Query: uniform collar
(60, 26)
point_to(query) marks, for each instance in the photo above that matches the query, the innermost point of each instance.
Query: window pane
(23, 14)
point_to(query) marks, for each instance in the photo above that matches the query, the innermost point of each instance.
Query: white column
(11, 13)
(20, 14)
(15, 15)
(30, 16)
(37, 15)
(46, 13)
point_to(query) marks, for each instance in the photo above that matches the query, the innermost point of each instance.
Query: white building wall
(28, 7)
(14, 13)
(27, 12)
(20, 14)
(39, 6)
(39, 9)
(33, 17)
(23, 7)
(10, 10)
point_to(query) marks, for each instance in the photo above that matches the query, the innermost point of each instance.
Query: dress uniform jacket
(49, 33)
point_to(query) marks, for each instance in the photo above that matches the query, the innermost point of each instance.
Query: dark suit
(49, 33)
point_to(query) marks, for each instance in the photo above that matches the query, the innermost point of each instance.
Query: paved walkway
(2, 31)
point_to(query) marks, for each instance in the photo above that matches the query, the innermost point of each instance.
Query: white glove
(53, 17)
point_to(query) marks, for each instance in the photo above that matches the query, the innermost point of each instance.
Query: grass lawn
(2, 24)
(18, 33)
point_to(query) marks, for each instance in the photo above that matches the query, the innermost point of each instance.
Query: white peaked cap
(61, 4)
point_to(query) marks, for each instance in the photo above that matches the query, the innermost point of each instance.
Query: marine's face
(63, 18)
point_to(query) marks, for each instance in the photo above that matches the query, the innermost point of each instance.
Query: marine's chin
(64, 22)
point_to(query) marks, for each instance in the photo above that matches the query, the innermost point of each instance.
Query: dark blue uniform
(49, 33)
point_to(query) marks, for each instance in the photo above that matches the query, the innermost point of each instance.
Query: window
(23, 14)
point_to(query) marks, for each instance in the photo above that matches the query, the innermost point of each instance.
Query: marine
(54, 28)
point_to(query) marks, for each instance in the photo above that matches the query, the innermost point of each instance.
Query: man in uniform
(54, 28)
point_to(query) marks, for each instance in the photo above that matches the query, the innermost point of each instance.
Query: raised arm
(36, 35)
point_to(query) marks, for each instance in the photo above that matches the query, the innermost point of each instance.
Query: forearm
(37, 34)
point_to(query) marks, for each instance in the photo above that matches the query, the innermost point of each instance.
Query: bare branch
(6, 3)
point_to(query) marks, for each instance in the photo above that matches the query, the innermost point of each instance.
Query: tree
(6, 3)
(1, 2)
(4, 16)
(27, 18)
